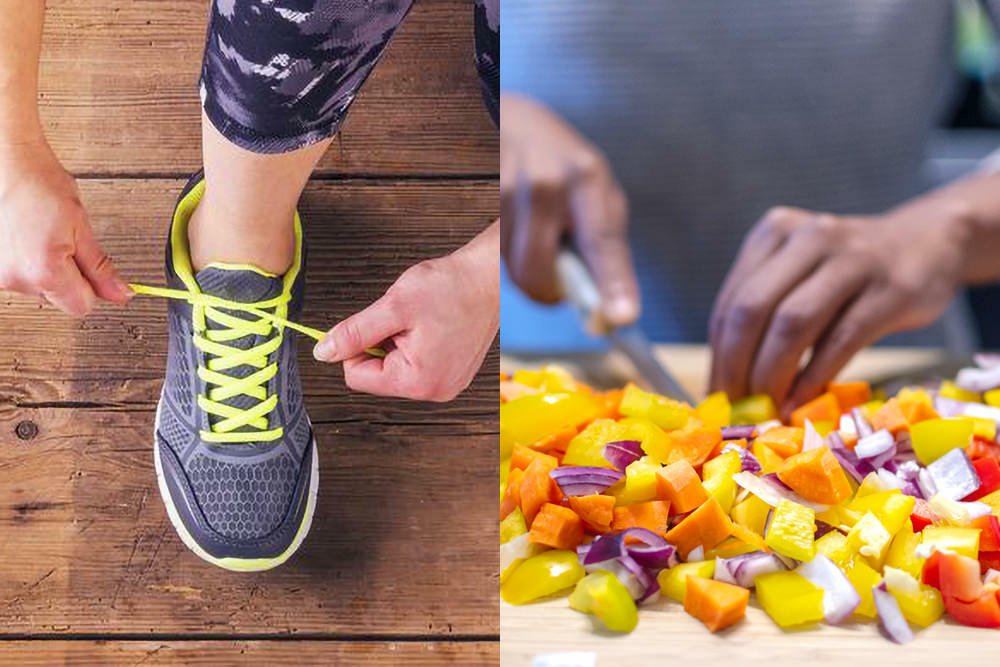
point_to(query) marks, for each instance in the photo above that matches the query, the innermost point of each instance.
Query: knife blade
(581, 290)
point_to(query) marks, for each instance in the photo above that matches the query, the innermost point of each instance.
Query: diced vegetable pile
(858, 508)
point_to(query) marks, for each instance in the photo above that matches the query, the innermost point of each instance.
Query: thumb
(98, 269)
(368, 328)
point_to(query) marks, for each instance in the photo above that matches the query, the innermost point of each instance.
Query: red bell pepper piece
(989, 532)
(959, 577)
(989, 560)
(931, 574)
(988, 470)
(922, 515)
(981, 447)
(983, 612)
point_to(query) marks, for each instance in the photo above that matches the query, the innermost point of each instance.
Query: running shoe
(234, 449)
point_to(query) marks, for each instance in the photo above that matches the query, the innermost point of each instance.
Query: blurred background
(712, 112)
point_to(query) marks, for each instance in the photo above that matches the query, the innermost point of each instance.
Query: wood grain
(403, 541)
(114, 653)
(119, 93)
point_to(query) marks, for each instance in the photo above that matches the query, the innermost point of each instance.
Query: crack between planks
(251, 636)
(360, 177)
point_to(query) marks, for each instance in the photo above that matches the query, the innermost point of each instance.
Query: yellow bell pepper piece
(753, 410)
(640, 482)
(993, 500)
(791, 531)
(528, 419)
(869, 485)
(751, 513)
(504, 472)
(870, 539)
(864, 578)
(902, 552)
(869, 408)
(834, 545)
(891, 508)
(922, 607)
(673, 581)
(662, 411)
(963, 541)
(824, 427)
(729, 547)
(992, 398)
(984, 428)
(789, 598)
(586, 446)
(513, 525)
(653, 438)
(601, 594)
(949, 389)
(546, 574)
(933, 438)
(715, 410)
(718, 478)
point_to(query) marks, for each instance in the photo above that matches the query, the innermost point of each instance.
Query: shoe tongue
(238, 282)
(241, 283)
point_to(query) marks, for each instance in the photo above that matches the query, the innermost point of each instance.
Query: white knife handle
(579, 288)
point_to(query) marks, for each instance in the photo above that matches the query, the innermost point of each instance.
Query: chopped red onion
(748, 432)
(772, 490)
(768, 425)
(840, 598)
(977, 509)
(584, 480)
(949, 407)
(698, 553)
(655, 553)
(605, 547)
(631, 583)
(812, 439)
(953, 474)
(986, 359)
(880, 460)
(850, 462)
(903, 442)
(911, 488)
(748, 462)
(861, 423)
(889, 480)
(907, 469)
(846, 425)
(926, 483)
(645, 579)
(978, 380)
(835, 441)
(742, 569)
(893, 623)
(872, 445)
(621, 453)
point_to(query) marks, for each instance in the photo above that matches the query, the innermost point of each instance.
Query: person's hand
(554, 183)
(436, 324)
(47, 248)
(830, 284)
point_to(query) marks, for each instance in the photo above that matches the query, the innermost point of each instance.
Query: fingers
(352, 336)
(745, 318)
(600, 214)
(798, 322)
(67, 289)
(97, 268)
(767, 236)
(540, 216)
(863, 323)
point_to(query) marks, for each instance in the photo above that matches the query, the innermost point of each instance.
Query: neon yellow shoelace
(225, 357)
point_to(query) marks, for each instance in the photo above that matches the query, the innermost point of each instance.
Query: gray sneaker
(235, 454)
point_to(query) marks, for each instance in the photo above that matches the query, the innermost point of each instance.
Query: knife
(580, 289)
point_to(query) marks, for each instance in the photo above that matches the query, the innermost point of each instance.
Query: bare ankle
(240, 239)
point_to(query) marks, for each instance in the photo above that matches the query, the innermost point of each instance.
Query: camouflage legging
(280, 74)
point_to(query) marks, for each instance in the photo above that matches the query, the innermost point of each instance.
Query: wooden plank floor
(399, 566)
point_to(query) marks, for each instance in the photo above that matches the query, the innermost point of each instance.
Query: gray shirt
(712, 111)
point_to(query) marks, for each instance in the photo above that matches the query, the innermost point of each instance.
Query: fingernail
(324, 350)
(621, 310)
(126, 291)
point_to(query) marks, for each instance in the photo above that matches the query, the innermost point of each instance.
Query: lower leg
(248, 209)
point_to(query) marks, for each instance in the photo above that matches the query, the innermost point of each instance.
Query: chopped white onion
(772, 493)
(872, 445)
(847, 425)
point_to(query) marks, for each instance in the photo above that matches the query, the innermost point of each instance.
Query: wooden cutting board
(666, 633)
